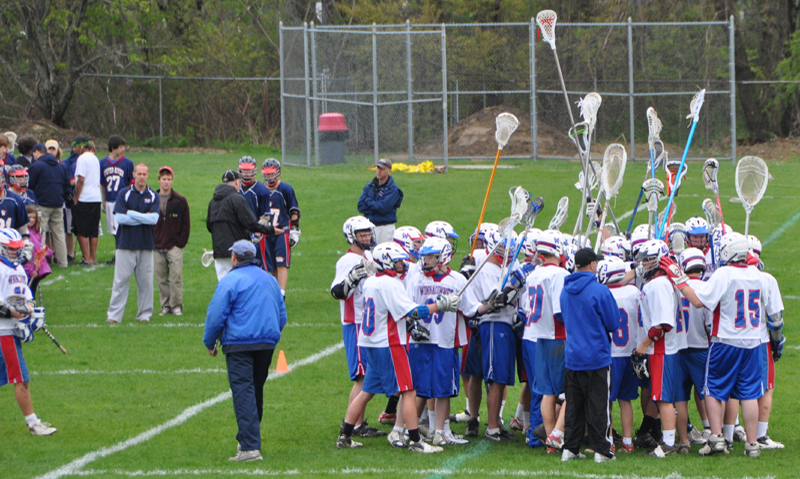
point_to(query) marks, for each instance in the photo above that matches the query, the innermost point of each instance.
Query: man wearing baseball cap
(590, 315)
(230, 219)
(380, 199)
(172, 234)
(247, 315)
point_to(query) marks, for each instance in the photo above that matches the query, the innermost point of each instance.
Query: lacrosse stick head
(712, 213)
(653, 127)
(653, 190)
(677, 237)
(534, 208)
(12, 140)
(752, 177)
(562, 211)
(207, 258)
(506, 125)
(672, 168)
(588, 107)
(614, 161)
(710, 168)
(697, 103)
(592, 178)
(546, 19)
(660, 156)
(519, 201)
(580, 134)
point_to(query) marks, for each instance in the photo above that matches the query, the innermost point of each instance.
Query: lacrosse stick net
(712, 214)
(520, 207)
(529, 218)
(12, 140)
(562, 211)
(207, 258)
(506, 125)
(696, 105)
(505, 228)
(677, 235)
(752, 178)
(546, 19)
(660, 156)
(710, 168)
(593, 181)
(653, 127)
(614, 160)
(653, 191)
(588, 107)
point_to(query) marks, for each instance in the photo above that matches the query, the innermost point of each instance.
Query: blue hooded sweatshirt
(590, 314)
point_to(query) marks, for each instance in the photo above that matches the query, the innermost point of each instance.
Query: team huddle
(694, 311)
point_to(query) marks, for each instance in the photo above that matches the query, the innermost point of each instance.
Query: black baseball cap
(231, 175)
(585, 257)
(80, 140)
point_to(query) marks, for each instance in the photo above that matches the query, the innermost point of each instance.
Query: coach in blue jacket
(379, 201)
(247, 314)
(590, 315)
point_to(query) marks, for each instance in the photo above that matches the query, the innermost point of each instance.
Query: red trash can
(333, 135)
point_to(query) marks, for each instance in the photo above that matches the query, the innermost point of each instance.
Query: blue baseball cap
(243, 248)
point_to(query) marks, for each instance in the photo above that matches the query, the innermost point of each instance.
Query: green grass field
(136, 400)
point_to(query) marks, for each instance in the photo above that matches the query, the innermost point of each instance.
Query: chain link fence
(415, 92)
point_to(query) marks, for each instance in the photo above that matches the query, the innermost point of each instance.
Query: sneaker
(540, 433)
(84, 263)
(472, 427)
(517, 424)
(696, 437)
(645, 441)
(112, 261)
(245, 456)
(111, 321)
(346, 442)
(706, 433)
(455, 438)
(617, 436)
(764, 442)
(598, 458)
(396, 439)
(94, 263)
(177, 311)
(729, 445)
(627, 449)
(425, 430)
(70, 259)
(423, 447)
(164, 311)
(42, 429)
(501, 435)
(684, 448)
(364, 430)
(447, 439)
(387, 419)
(555, 443)
(663, 451)
(752, 449)
(143, 320)
(568, 455)
(461, 417)
(739, 435)
(715, 445)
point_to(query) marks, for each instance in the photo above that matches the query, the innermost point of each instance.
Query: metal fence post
(160, 115)
(283, 101)
(444, 96)
(375, 91)
(314, 90)
(409, 93)
(308, 94)
(630, 87)
(732, 74)
(532, 47)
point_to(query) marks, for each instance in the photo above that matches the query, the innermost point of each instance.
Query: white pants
(223, 267)
(111, 220)
(128, 263)
(384, 233)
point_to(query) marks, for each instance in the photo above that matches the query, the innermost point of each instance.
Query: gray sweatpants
(129, 262)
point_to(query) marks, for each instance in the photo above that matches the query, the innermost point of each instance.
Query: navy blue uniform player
(116, 173)
(284, 213)
(257, 196)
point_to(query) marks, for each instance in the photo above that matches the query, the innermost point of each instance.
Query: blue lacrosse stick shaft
(641, 192)
(660, 231)
(512, 258)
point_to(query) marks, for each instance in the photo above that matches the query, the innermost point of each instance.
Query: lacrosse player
(18, 183)
(388, 313)
(665, 337)
(285, 213)
(116, 173)
(257, 196)
(15, 328)
(347, 288)
(410, 239)
(736, 293)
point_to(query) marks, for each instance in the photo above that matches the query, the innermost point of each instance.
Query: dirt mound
(474, 136)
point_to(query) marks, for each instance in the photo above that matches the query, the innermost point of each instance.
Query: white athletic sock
(283, 293)
(432, 419)
(398, 429)
(466, 401)
(762, 429)
(526, 419)
(424, 416)
(706, 424)
(557, 433)
(727, 432)
(502, 405)
(493, 431)
(627, 441)
(737, 421)
(447, 425)
(669, 437)
(31, 420)
(520, 411)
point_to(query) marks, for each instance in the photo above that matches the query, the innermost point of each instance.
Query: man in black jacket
(230, 219)
(49, 181)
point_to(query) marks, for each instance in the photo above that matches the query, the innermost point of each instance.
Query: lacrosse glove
(641, 366)
(417, 331)
(673, 272)
(294, 237)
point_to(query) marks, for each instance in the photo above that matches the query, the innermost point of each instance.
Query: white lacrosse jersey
(710, 265)
(697, 321)
(479, 255)
(448, 329)
(349, 308)
(625, 339)
(735, 294)
(414, 269)
(659, 305)
(383, 317)
(487, 280)
(775, 303)
(544, 287)
(13, 280)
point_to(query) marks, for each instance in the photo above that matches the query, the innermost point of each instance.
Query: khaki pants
(53, 219)
(169, 269)
(129, 263)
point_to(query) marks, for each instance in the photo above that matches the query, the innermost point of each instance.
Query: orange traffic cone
(282, 366)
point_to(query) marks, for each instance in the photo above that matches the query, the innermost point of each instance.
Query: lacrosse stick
(694, 114)
(582, 138)
(505, 227)
(207, 258)
(12, 141)
(676, 241)
(534, 208)
(19, 302)
(654, 141)
(672, 169)
(653, 189)
(562, 211)
(506, 124)
(710, 169)
(520, 206)
(614, 161)
(751, 182)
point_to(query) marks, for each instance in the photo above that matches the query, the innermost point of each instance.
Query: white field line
(72, 372)
(387, 471)
(791, 297)
(75, 466)
(178, 325)
(778, 232)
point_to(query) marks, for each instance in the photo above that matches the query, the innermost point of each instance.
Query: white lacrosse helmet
(755, 245)
(675, 230)
(410, 239)
(577, 240)
(611, 270)
(617, 246)
(733, 247)
(11, 244)
(569, 257)
(391, 259)
(697, 226)
(550, 242)
(529, 243)
(649, 257)
(355, 224)
(481, 232)
(440, 251)
(493, 237)
(442, 229)
(693, 259)
(639, 236)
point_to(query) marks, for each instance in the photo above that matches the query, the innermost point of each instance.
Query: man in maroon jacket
(172, 234)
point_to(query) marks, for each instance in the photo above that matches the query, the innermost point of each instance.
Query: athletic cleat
(540, 433)
(752, 449)
(164, 311)
(177, 311)
(111, 321)
(396, 439)
(501, 435)
(715, 445)
(365, 430)
(425, 430)
(42, 429)
(387, 419)
(423, 447)
(463, 416)
(517, 424)
(472, 427)
(617, 437)
(627, 449)
(644, 440)
(684, 448)
(568, 455)
(739, 435)
(696, 437)
(448, 439)
(663, 451)
(344, 442)
(556, 443)
(729, 445)
(598, 458)
(706, 433)
(254, 455)
(764, 442)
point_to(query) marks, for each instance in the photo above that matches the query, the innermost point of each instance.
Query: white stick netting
(546, 19)
(592, 178)
(697, 103)
(588, 107)
(614, 161)
(710, 169)
(752, 177)
(653, 126)
(712, 213)
(653, 191)
(506, 124)
(534, 208)
(562, 211)
(519, 201)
